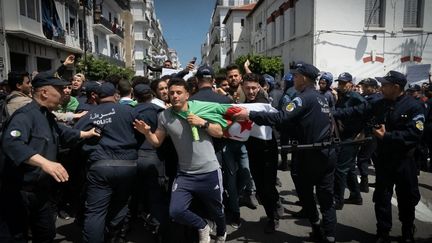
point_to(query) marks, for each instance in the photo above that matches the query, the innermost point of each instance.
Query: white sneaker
(221, 239)
(204, 234)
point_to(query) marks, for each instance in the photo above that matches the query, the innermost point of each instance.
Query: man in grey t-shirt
(199, 173)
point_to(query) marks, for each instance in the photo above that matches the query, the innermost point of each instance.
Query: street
(355, 223)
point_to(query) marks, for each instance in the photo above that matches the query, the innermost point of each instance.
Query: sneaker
(271, 226)
(249, 201)
(221, 239)
(236, 220)
(353, 200)
(364, 184)
(339, 205)
(64, 215)
(204, 234)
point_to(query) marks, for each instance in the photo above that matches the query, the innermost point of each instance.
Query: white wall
(350, 41)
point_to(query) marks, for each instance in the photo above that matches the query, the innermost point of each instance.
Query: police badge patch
(15, 133)
(290, 107)
(419, 125)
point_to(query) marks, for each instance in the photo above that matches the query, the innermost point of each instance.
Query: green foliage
(261, 64)
(99, 69)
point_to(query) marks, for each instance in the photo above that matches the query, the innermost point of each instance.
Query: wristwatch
(206, 125)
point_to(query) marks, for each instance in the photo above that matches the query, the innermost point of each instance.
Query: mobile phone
(193, 60)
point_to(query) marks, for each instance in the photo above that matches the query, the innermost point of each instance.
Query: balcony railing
(103, 21)
(114, 60)
(118, 31)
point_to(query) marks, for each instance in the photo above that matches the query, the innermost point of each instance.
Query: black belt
(294, 146)
(114, 163)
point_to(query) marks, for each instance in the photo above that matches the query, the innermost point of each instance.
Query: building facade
(214, 45)
(150, 46)
(366, 38)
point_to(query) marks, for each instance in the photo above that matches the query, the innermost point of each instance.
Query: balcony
(101, 24)
(141, 37)
(118, 33)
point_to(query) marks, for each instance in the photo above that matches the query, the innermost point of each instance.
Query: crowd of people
(113, 151)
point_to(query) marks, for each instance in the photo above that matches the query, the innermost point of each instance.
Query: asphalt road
(355, 223)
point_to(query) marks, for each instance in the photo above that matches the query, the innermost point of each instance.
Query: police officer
(401, 120)
(345, 174)
(29, 144)
(309, 112)
(112, 165)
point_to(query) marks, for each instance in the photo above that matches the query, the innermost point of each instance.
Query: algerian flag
(222, 114)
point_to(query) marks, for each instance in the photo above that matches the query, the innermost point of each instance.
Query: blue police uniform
(395, 165)
(345, 173)
(150, 167)
(310, 114)
(26, 189)
(112, 166)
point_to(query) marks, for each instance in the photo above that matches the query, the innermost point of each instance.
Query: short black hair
(251, 77)
(166, 77)
(155, 83)
(114, 79)
(124, 88)
(178, 82)
(232, 67)
(219, 79)
(140, 80)
(16, 77)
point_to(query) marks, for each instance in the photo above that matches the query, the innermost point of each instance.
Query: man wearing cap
(111, 163)
(90, 88)
(370, 92)
(309, 112)
(30, 144)
(349, 128)
(150, 166)
(401, 119)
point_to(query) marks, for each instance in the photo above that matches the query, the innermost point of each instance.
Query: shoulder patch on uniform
(15, 133)
(298, 101)
(290, 106)
(419, 125)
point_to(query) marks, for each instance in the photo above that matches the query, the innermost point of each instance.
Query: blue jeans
(237, 174)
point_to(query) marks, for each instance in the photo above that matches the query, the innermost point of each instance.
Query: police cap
(106, 89)
(393, 77)
(47, 78)
(307, 70)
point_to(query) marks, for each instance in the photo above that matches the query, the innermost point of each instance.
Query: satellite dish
(150, 33)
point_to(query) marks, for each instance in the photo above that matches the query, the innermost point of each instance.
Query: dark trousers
(403, 175)
(316, 170)
(24, 210)
(208, 189)
(108, 191)
(263, 159)
(149, 185)
(345, 173)
(365, 155)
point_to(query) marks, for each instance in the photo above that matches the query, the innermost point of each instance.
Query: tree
(261, 64)
(99, 69)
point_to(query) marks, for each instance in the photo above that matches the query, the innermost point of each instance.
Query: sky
(184, 25)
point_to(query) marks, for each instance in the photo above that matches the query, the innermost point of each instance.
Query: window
(22, 7)
(273, 31)
(292, 22)
(30, 9)
(282, 27)
(231, 3)
(374, 13)
(246, 2)
(96, 41)
(242, 22)
(412, 13)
